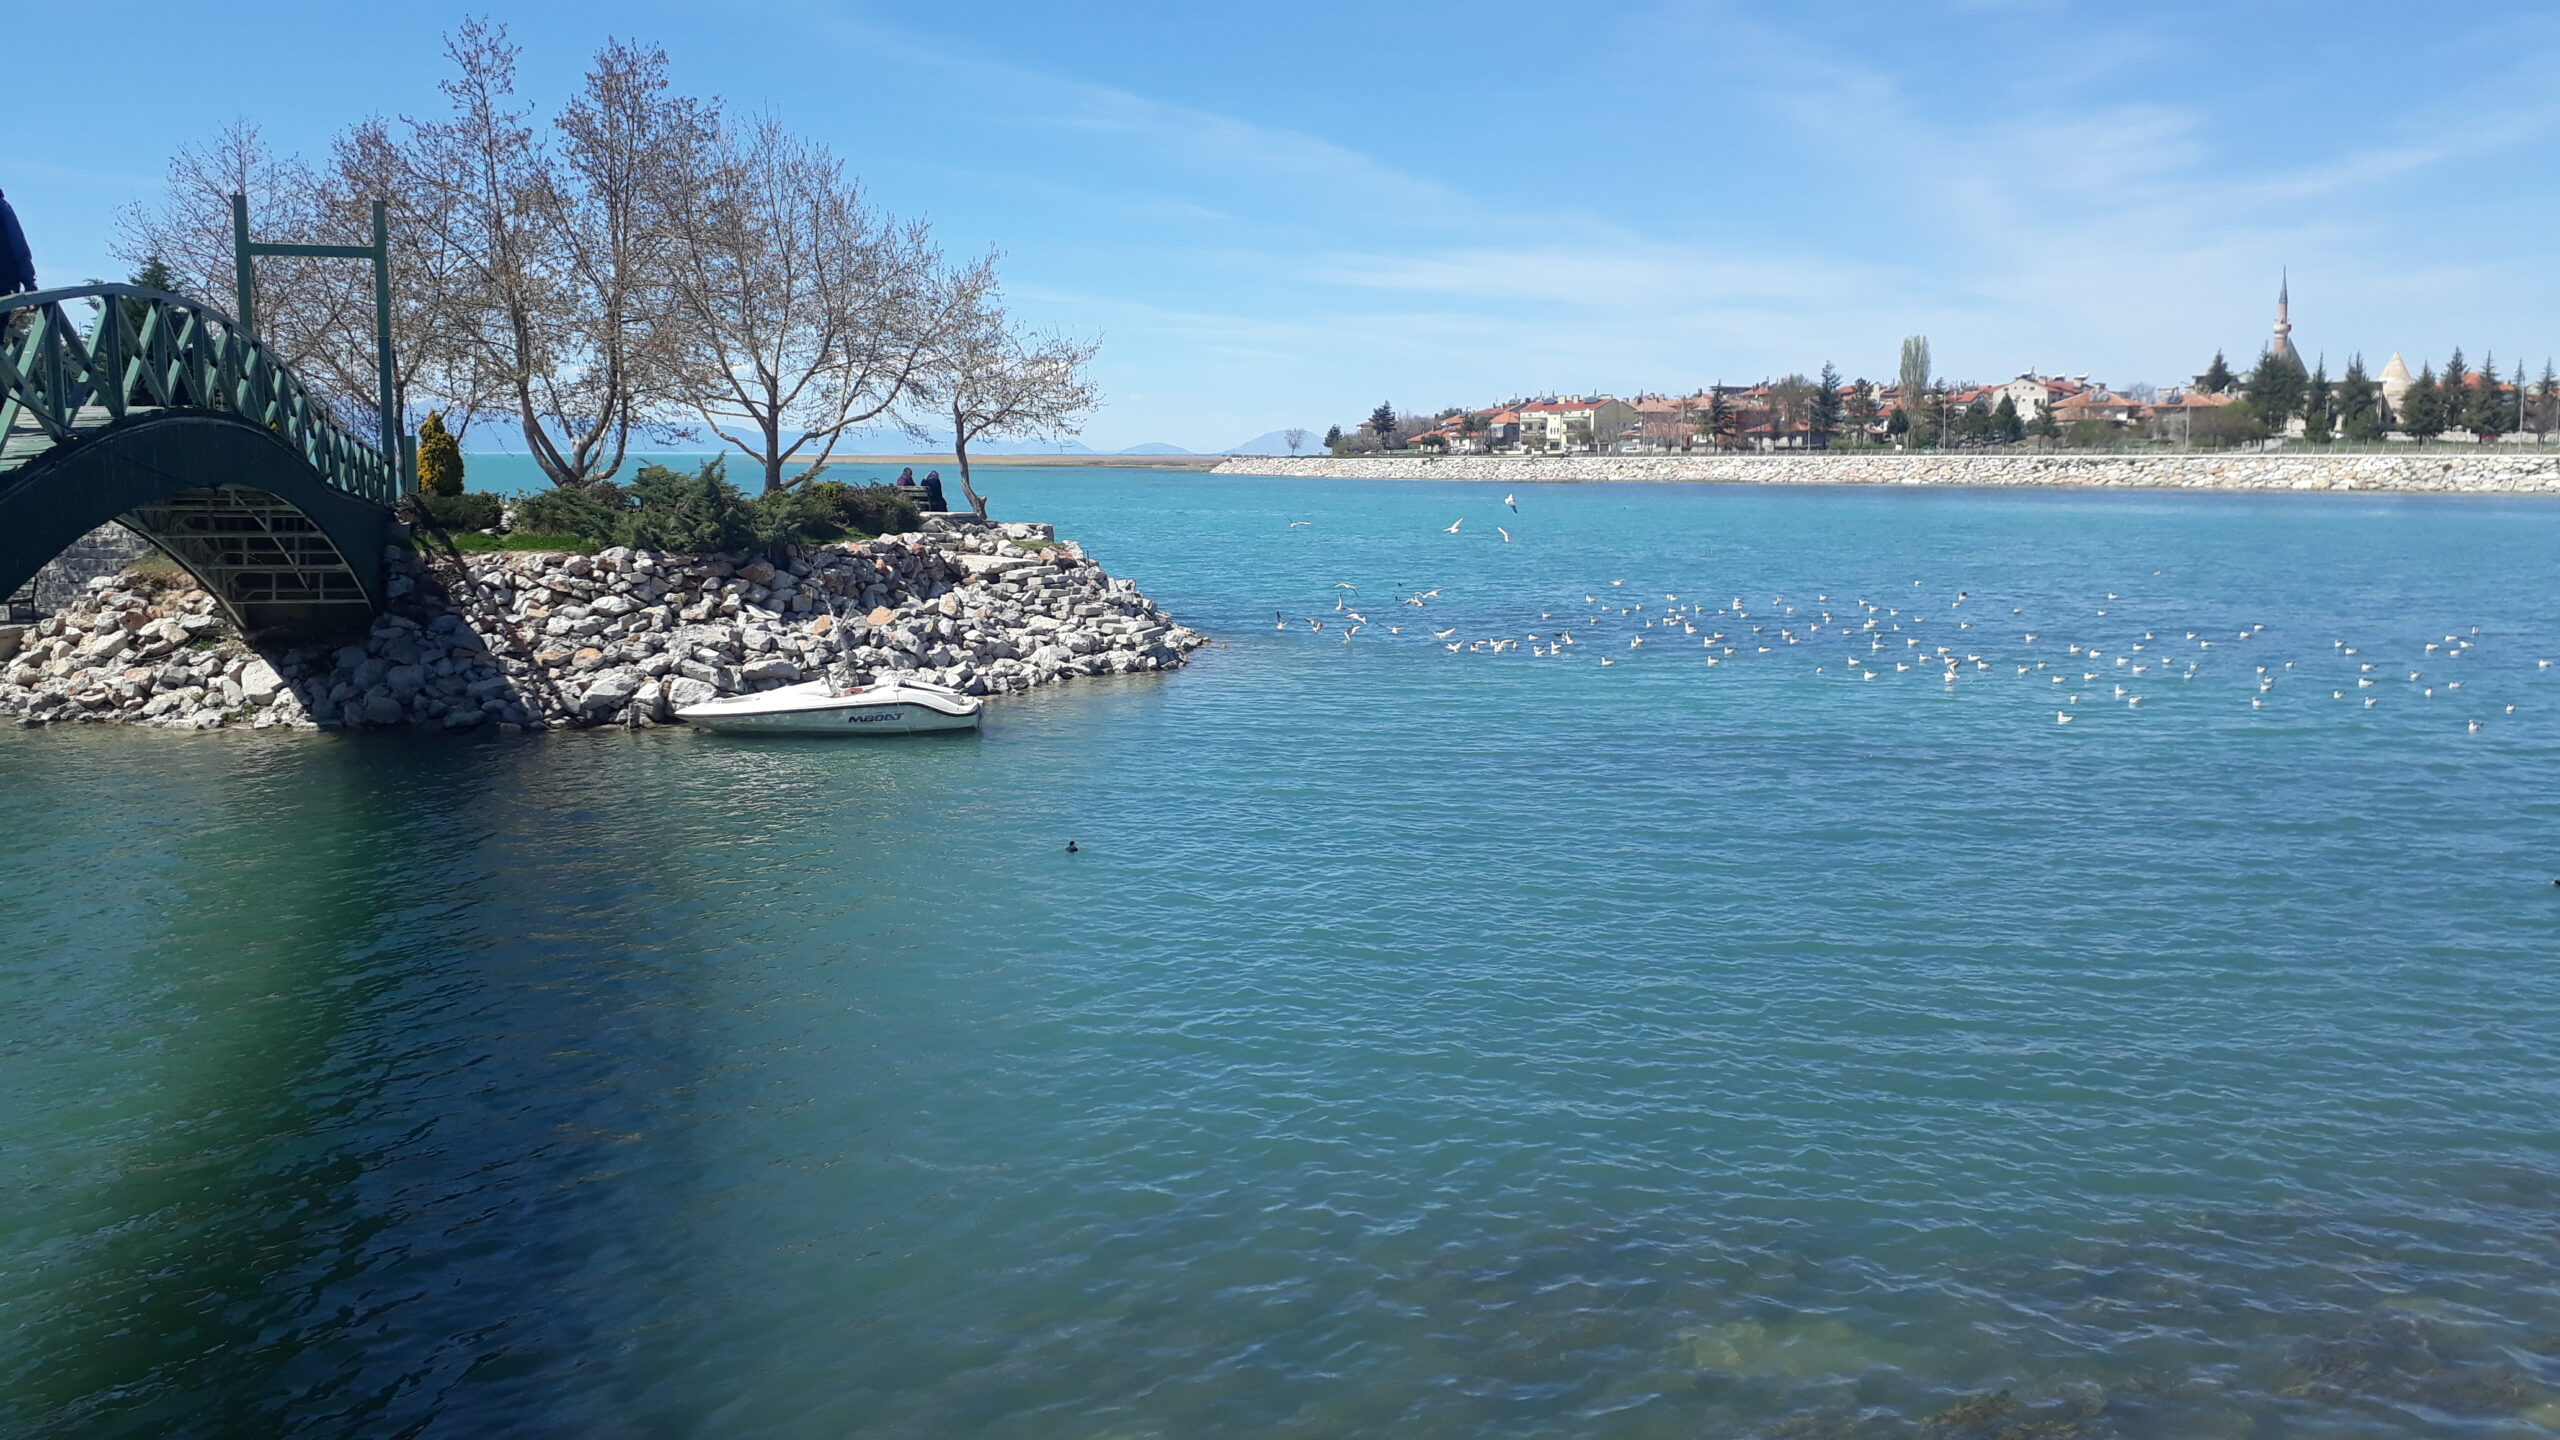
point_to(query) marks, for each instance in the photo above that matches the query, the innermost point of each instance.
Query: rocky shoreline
(2535, 471)
(543, 640)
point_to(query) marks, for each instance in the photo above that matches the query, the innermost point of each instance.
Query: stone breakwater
(533, 641)
(2489, 472)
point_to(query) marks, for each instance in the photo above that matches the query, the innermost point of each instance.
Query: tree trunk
(960, 452)
(977, 502)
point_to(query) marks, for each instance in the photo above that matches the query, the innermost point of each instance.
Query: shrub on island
(701, 513)
(591, 515)
(460, 512)
(865, 510)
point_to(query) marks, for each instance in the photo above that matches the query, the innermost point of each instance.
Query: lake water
(1424, 1042)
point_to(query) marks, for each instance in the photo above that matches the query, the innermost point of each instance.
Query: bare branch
(991, 379)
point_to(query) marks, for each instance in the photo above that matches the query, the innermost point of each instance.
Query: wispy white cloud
(2083, 200)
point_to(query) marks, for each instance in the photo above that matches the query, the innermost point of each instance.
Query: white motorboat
(822, 707)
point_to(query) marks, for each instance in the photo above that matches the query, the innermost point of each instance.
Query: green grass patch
(472, 542)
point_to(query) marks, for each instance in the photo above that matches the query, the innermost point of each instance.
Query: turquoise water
(1424, 1043)
(510, 474)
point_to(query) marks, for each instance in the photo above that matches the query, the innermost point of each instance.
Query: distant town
(2278, 401)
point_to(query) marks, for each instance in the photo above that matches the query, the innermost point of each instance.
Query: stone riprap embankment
(540, 640)
(2491, 471)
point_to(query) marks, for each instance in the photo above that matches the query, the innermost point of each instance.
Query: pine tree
(2546, 401)
(2217, 377)
(2006, 427)
(1973, 426)
(1928, 421)
(155, 275)
(2276, 387)
(1720, 417)
(2422, 408)
(1858, 412)
(2358, 405)
(2484, 410)
(1383, 421)
(1823, 414)
(2318, 400)
(439, 457)
(1333, 438)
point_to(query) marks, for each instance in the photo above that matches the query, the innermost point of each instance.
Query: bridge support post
(395, 442)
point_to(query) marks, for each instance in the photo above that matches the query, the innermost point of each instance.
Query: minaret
(2284, 323)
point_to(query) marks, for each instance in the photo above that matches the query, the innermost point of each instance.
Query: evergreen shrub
(870, 509)
(701, 513)
(439, 458)
(586, 514)
(456, 511)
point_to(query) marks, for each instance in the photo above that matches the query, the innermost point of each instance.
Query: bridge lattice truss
(152, 351)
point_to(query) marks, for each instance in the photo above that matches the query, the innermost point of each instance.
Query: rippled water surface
(1424, 1043)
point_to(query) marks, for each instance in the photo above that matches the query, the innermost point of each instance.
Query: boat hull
(807, 710)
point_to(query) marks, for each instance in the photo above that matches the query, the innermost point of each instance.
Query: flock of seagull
(2074, 662)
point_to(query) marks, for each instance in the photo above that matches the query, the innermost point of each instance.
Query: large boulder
(259, 682)
(611, 691)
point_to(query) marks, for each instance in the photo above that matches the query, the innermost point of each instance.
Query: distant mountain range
(898, 442)
(891, 442)
(1274, 443)
(1277, 443)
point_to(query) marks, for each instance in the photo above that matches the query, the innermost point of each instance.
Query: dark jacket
(17, 267)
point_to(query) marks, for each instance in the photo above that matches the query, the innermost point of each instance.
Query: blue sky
(1279, 214)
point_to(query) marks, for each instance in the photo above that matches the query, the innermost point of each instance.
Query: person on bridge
(17, 267)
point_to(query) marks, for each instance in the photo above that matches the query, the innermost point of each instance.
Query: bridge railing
(149, 349)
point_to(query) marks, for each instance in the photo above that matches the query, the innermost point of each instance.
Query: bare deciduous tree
(990, 379)
(633, 155)
(631, 266)
(1295, 437)
(305, 304)
(559, 265)
(803, 312)
(435, 313)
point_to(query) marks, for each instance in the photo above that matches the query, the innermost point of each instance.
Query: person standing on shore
(17, 265)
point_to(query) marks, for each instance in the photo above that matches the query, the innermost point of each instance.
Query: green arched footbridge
(167, 415)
